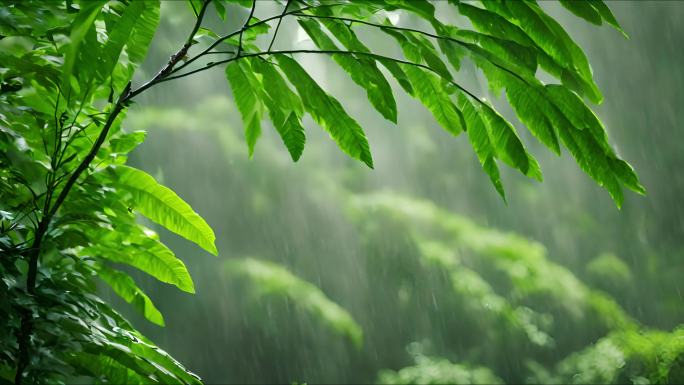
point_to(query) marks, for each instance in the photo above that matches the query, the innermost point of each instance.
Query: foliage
(269, 279)
(406, 269)
(429, 370)
(57, 141)
(69, 203)
(647, 357)
(625, 354)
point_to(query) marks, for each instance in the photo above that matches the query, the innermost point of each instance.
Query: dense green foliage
(68, 201)
(464, 301)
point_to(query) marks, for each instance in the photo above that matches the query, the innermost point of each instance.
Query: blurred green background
(330, 272)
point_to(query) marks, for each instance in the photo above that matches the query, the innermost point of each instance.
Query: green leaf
(627, 175)
(607, 15)
(552, 38)
(427, 53)
(351, 42)
(479, 139)
(399, 74)
(596, 148)
(493, 24)
(124, 286)
(149, 256)
(428, 87)
(328, 112)
(516, 56)
(508, 146)
(429, 90)
(593, 11)
(118, 38)
(161, 205)
(284, 107)
(592, 159)
(246, 88)
(275, 87)
(578, 113)
(583, 9)
(79, 29)
(363, 71)
(529, 101)
(102, 365)
(127, 142)
(115, 338)
(419, 50)
(220, 9)
(143, 32)
(292, 132)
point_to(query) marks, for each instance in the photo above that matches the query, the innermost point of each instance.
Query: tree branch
(280, 20)
(405, 29)
(26, 315)
(236, 33)
(175, 58)
(325, 52)
(246, 26)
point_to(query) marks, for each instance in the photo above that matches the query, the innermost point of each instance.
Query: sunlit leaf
(151, 257)
(125, 287)
(163, 206)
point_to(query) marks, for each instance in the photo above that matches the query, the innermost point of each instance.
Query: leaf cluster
(69, 204)
(510, 42)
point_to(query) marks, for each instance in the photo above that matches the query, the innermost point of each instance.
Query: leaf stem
(246, 26)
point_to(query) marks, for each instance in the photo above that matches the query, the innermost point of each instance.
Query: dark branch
(246, 26)
(236, 33)
(280, 20)
(325, 52)
(462, 43)
(175, 58)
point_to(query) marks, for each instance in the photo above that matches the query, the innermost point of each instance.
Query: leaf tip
(212, 250)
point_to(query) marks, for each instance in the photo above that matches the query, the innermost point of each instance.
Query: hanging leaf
(284, 107)
(140, 39)
(328, 112)
(245, 88)
(117, 39)
(363, 72)
(508, 146)
(429, 90)
(479, 138)
(124, 286)
(80, 27)
(607, 15)
(351, 42)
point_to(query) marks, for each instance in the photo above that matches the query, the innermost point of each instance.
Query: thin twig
(246, 26)
(405, 29)
(175, 58)
(233, 34)
(325, 52)
(280, 20)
